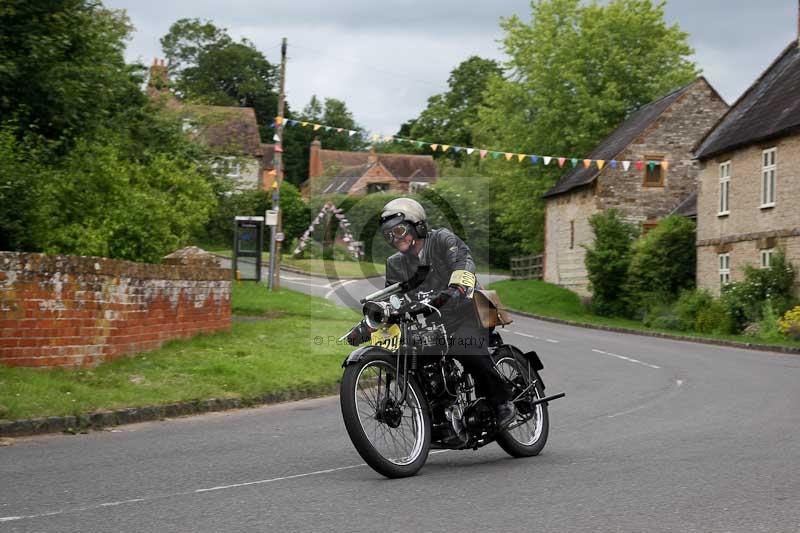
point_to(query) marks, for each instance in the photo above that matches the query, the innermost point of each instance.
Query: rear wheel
(527, 435)
(393, 439)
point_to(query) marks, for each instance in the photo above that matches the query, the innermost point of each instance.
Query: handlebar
(383, 293)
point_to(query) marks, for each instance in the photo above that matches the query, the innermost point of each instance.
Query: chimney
(372, 158)
(315, 168)
(159, 78)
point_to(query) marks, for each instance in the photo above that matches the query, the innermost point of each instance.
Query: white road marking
(532, 336)
(326, 286)
(629, 359)
(648, 404)
(336, 285)
(185, 493)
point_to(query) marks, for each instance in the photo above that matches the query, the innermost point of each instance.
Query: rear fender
(360, 353)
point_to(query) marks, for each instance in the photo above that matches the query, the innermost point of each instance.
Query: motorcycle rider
(450, 282)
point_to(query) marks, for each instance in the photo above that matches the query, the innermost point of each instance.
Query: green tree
(662, 264)
(207, 66)
(574, 73)
(607, 261)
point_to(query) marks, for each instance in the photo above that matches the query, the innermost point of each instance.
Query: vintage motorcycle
(402, 395)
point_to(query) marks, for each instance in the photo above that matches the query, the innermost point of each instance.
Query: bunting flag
(482, 152)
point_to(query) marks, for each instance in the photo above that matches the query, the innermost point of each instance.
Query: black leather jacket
(444, 253)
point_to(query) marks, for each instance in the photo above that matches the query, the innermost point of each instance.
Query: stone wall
(67, 311)
(564, 252)
(748, 228)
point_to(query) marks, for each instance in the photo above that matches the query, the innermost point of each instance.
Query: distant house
(232, 132)
(664, 130)
(748, 201)
(360, 173)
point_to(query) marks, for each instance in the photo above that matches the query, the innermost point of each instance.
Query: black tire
(524, 439)
(358, 406)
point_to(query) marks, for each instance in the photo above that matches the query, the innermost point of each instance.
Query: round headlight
(375, 314)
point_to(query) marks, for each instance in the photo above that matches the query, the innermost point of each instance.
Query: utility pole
(275, 245)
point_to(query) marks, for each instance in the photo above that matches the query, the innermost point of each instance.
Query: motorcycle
(402, 395)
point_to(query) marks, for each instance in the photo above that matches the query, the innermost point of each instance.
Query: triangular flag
(600, 163)
(639, 165)
(574, 162)
(304, 124)
(278, 148)
(561, 161)
(289, 122)
(328, 128)
(664, 165)
(317, 126)
(445, 147)
(613, 163)
(457, 149)
(352, 132)
(278, 120)
(434, 147)
(521, 157)
(626, 165)
(470, 150)
(494, 154)
(534, 159)
(508, 155)
(338, 130)
(483, 153)
(276, 138)
(547, 160)
(587, 163)
(419, 144)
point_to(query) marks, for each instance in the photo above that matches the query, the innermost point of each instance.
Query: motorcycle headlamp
(376, 314)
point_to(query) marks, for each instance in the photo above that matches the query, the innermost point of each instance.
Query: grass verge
(321, 267)
(546, 299)
(271, 348)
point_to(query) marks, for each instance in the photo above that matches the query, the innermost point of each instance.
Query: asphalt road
(654, 435)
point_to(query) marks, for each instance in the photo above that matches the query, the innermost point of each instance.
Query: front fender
(360, 353)
(531, 356)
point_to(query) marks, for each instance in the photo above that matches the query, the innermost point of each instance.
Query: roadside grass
(321, 267)
(548, 300)
(269, 349)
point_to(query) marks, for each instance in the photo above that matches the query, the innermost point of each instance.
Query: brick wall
(79, 311)
(748, 228)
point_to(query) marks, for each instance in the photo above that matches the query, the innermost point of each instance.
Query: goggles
(397, 232)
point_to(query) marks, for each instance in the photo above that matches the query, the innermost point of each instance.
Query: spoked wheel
(393, 437)
(527, 435)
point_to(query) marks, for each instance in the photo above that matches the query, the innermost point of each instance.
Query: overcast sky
(385, 58)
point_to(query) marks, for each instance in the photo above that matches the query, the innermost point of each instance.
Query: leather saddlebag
(491, 313)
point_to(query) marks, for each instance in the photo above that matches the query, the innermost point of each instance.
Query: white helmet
(405, 210)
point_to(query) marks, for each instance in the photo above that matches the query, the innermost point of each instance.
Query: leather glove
(359, 334)
(453, 292)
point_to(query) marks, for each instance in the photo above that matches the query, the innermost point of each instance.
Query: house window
(377, 187)
(724, 188)
(766, 257)
(417, 186)
(571, 234)
(653, 173)
(769, 167)
(724, 269)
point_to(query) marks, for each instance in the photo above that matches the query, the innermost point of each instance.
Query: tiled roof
(617, 141)
(768, 109)
(401, 166)
(340, 184)
(229, 129)
(688, 207)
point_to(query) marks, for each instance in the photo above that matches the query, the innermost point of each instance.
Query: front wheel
(393, 439)
(527, 435)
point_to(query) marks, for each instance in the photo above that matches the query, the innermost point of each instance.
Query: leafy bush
(714, 319)
(663, 316)
(662, 263)
(608, 260)
(689, 305)
(745, 299)
(768, 328)
(789, 324)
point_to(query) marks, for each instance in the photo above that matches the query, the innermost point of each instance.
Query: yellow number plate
(388, 338)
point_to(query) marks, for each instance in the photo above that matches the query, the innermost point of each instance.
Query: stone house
(665, 130)
(232, 132)
(748, 202)
(360, 173)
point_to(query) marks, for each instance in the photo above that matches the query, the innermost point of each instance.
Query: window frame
(652, 184)
(769, 177)
(767, 253)
(571, 234)
(724, 264)
(724, 199)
